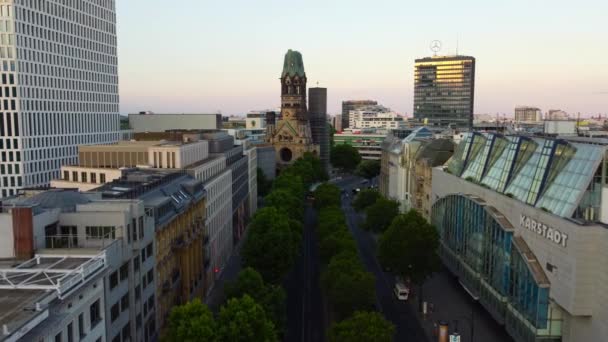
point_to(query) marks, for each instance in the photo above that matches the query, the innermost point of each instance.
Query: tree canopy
(368, 169)
(362, 326)
(409, 247)
(272, 245)
(379, 215)
(349, 287)
(270, 297)
(191, 322)
(285, 201)
(345, 157)
(326, 195)
(365, 198)
(242, 319)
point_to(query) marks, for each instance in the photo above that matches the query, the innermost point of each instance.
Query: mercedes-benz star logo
(435, 46)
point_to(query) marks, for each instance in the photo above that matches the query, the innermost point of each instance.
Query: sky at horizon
(206, 56)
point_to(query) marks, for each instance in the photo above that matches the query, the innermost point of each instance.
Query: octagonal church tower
(291, 136)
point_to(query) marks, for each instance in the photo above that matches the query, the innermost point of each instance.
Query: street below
(449, 300)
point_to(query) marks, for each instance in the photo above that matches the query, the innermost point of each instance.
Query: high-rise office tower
(444, 88)
(59, 86)
(349, 105)
(317, 111)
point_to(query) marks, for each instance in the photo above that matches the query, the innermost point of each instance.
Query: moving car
(401, 291)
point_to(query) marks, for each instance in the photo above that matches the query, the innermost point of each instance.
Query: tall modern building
(59, 86)
(317, 107)
(349, 105)
(444, 88)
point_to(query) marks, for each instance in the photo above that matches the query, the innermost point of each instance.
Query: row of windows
(69, 123)
(94, 319)
(71, 19)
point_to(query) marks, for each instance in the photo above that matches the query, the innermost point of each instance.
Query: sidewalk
(229, 273)
(453, 305)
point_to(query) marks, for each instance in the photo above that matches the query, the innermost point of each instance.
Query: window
(66, 175)
(95, 313)
(58, 337)
(74, 176)
(113, 280)
(116, 338)
(94, 232)
(126, 332)
(102, 178)
(93, 177)
(137, 293)
(124, 271)
(150, 276)
(83, 176)
(114, 312)
(70, 332)
(151, 302)
(141, 227)
(150, 249)
(136, 263)
(124, 303)
(81, 325)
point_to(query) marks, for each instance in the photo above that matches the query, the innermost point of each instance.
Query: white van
(401, 291)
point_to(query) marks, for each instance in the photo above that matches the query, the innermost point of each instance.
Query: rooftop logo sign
(543, 230)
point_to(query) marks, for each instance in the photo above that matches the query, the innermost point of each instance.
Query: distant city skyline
(205, 56)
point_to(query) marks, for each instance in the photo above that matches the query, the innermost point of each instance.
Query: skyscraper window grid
(59, 80)
(444, 89)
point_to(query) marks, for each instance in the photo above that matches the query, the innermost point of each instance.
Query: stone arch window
(298, 90)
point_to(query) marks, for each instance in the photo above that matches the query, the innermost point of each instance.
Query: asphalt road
(399, 313)
(305, 318)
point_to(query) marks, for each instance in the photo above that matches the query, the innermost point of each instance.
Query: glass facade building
(444, 88)
(478, 244)
(523, 225)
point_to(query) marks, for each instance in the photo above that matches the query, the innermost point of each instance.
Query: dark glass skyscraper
(444, 88)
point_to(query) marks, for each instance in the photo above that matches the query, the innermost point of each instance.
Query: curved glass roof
(551, 174)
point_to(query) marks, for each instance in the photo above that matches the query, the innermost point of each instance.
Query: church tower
(291, 135)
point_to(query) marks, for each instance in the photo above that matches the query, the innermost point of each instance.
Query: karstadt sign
(543, 230)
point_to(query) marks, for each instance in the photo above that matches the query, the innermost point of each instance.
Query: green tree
(191, 322)
(270, 297)
(248, 281)
(345, 157)
(338, 241)
(271, 252)
(362, 326)
(348, 286)
(368, 169)
(365, 198)
(409, 247)
(264, 183)
(290, 182)
(286, 202)
(329, 219)
(379, 215)
(326, 195)
(242, 319)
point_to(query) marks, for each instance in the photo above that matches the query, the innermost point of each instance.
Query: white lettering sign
(543, 230)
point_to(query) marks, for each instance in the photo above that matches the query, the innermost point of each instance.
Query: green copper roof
(293, 64)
